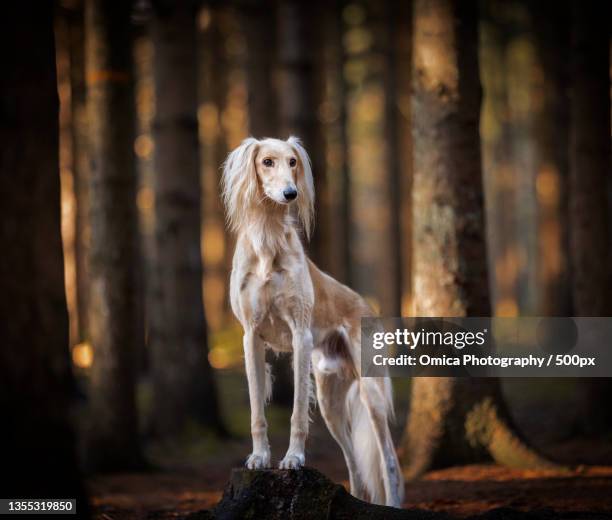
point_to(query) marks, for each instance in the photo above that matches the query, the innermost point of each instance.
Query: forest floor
(460, 491)
(191, 479)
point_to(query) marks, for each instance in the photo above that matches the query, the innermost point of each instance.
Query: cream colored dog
(285, 303)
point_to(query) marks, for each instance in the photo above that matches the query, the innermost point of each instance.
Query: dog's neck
(269, 231)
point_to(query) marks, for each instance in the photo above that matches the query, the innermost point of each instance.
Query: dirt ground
(460, 491)
(193, 479)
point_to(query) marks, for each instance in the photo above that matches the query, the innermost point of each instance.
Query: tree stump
(299, 494)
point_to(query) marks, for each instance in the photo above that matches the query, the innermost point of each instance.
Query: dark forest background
(461, 155)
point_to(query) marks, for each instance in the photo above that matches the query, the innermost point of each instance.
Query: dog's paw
(292, 461)
(258, 460)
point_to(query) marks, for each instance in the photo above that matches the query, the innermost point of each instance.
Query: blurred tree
(590, 159)
(522, 73)
(398, 36)
(300, 91)
(143, 147)
(372, 132)
(76, 43)
(403, 45)
(500, 180)
(36, 438)
(451, 420)
(67, 195)
(550, 26)
(336, 144)
(217, 38)
(392, 135)
(589, 175)
(258, 20)
(113, 299)
(183, 384)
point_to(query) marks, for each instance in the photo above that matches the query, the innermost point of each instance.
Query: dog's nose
(290, 193)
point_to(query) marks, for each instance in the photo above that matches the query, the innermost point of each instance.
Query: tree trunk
(452, 420)
(216, 95)
(300, 92)
(398, 28)
(36, 438)
(373, 134)
(80, 166)
(590, 159)
(500, 180)
(256, 19)
(391, 24)
(113, 314)
(67, 196)
(551, 35)
(143, 146)
(183, 385)
(337, 144)
(589, 172)
(403, 44)
(515, 80)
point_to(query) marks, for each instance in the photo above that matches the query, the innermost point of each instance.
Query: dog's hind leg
(331, 395)
(255, 364)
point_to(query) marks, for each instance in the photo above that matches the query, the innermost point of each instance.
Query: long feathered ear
(305, 186)
(239, 182)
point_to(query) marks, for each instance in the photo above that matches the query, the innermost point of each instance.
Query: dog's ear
(305, 186)
(239, 182)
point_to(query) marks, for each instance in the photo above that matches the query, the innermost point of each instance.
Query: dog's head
(266, 171)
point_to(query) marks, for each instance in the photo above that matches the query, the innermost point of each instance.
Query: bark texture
(113, 312)
(451, 420)
(183, 385)
(36, 438)
(589, 178)
(450, 266)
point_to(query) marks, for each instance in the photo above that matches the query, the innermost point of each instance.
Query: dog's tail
(368, 453)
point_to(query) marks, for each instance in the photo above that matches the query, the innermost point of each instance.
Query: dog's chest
(265, 292)
(276, 296)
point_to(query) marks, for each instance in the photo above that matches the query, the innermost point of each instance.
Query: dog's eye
(268, 162)
(292, 162)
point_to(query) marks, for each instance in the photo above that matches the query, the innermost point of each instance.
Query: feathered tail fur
(369, 453)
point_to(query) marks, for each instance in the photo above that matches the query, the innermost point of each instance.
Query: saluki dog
(285, 303)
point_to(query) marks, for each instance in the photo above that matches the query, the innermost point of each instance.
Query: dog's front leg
(302, 350)
(254, 358)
